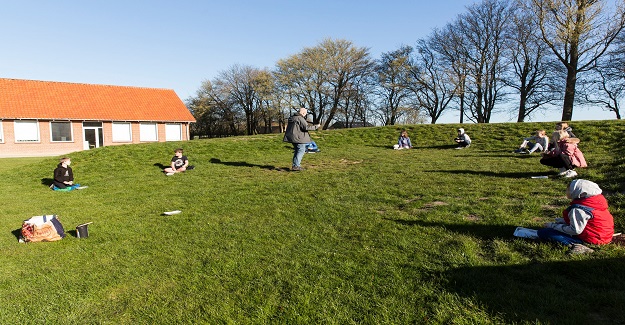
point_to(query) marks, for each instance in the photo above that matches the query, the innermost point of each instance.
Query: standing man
(297, 134)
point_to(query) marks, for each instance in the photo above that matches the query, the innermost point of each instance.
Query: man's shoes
(570, 173)
(520, 150)
(297, 168)
(562, 171)
(169, 174)
(577, 249)
(190, 167)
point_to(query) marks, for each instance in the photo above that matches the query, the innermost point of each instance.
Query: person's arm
(58, 175)
(578, 219)
(186, 163)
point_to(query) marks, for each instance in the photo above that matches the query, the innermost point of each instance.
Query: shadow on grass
(482, 231)
(494, 174)
(243, 164)
(539, 292)
(160, 166)
(565, 292)
(47, 181)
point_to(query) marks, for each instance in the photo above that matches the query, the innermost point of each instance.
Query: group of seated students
(561, 151)
(586, 221)
(462, 140)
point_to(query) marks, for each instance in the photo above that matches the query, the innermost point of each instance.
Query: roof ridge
(85, 84)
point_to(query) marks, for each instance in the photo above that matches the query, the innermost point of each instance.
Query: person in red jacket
(586, 221)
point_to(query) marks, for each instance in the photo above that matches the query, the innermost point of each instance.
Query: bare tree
(448, 42)
(533, 71)
(578, 32)
(484, 33)
(392, 78)
(606, 85)
(431, 82)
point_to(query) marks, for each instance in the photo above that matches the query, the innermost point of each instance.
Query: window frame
(71, 131)
(114, 132)
(155, 130)
(15, 134)
(167, 138)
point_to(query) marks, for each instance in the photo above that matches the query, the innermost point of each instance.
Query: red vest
(600, 227)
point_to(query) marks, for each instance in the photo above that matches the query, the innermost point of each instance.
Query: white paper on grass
(525, 233)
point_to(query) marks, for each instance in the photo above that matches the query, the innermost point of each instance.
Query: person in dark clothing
(297, 134)
(63, 174)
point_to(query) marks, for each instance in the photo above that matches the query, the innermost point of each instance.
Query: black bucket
(82, 231)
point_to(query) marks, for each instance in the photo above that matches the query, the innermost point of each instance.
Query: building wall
(45, 147)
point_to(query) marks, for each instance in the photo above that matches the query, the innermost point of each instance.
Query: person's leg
(168, 170)
(550, 234)
(525, 142)
(552, 162)
(299, 150)
(536, 147)
(60, 185)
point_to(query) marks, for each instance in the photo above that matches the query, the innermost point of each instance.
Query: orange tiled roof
(32, 99)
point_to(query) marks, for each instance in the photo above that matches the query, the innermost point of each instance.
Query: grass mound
(366, 234)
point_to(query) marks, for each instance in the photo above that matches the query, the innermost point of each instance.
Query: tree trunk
(569, 93)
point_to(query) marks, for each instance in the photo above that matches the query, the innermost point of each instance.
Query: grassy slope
(365, 235)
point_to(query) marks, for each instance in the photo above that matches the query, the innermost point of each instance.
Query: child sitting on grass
(564, 155)
(463, 140)
(179, 163)
(541, 143)
(403, 142)
(586, 221)
(64, 176)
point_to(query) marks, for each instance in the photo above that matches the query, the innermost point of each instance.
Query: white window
(1, 133)
(148, 132)
(26, 131)
(122, 132)
(173, 132)
(61, 131)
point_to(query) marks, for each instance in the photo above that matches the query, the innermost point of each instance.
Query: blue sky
(178, 44)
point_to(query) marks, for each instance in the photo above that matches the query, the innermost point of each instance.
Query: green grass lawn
(365, 234)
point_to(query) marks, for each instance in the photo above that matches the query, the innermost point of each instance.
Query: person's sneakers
(562, 171)
(524, 153)
(190, 167)
(577, 249)
(570, 173)
(169, 174)
(520, 150)
(297, 168)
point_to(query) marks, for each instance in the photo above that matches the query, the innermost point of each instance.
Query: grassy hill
(365, 235)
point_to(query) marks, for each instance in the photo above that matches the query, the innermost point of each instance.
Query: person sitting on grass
(179, 163)
(564, 155)
(541, 143)
(64, 176)
(403, 142)
(463, 140)
(586, 220)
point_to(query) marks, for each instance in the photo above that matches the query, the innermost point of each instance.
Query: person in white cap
(463, 140)
(586, 220)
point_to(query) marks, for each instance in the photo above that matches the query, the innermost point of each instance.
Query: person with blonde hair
(403, 142)
(541, 143)
(564, 155)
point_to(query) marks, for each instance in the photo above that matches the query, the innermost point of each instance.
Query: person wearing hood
(586, 220)
(297, 134)
(463, 140)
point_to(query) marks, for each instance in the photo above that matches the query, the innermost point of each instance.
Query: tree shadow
(544, 292)
(482, 231)
(243, 164)
(493, 174)
(442, 147)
